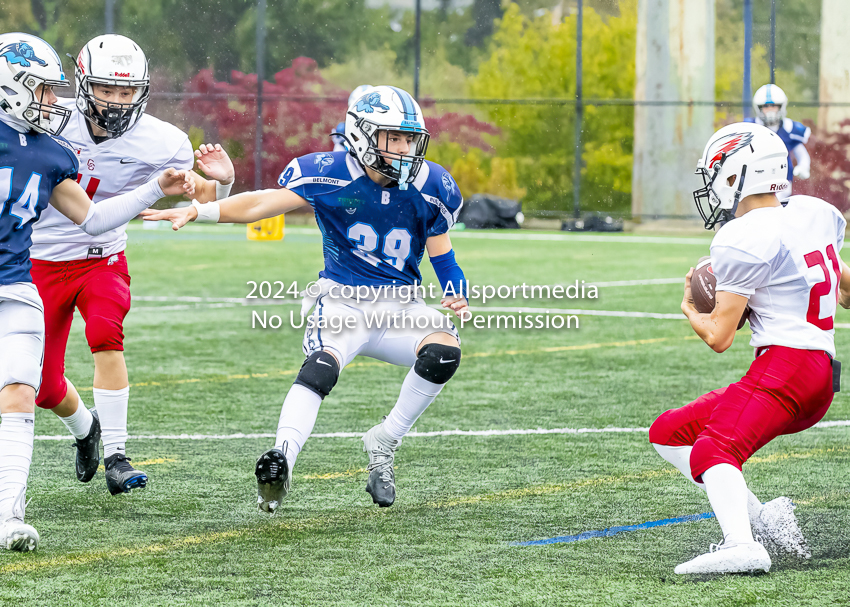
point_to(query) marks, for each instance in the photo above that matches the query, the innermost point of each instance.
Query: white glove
(801, 172)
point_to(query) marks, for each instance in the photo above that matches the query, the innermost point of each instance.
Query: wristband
(222, 190)
(209, 212)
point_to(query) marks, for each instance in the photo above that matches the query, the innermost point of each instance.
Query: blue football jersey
(372, 235)
(792, 134)
(31, 165)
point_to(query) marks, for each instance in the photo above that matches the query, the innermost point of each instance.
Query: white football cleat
(776, 522)
(729, 558)
(15, 534)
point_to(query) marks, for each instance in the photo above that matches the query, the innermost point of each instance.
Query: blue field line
(589, 535)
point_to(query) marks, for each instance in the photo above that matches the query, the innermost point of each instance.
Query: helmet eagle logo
(734, 142)
(371, 102)
(20, 53)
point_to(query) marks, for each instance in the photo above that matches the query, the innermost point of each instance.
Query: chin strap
(739, 190)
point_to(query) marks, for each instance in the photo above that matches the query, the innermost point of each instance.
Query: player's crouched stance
(783, 262)
(38, 167)
(379, 206)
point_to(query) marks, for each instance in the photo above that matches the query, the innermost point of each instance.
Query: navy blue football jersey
(792, 134)
(372, 235)
(31, 165)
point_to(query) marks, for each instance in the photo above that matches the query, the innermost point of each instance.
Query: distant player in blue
(38, 167)
(338, 135)
(770, 105)
(379, 208)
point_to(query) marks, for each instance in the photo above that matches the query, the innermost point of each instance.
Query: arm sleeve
(448, 206)
(113, 212)
(451, 277)
(737, 271)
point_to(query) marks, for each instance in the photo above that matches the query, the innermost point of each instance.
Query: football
(703, 284)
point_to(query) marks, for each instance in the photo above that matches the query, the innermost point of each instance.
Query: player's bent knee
(437, 363)
(319, 373)
(52, 391)
(104, 334)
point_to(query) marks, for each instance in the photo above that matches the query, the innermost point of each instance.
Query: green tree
(534, 58)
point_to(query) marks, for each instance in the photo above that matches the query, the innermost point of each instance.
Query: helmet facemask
(707, 199)
(113, 117)
(402, 168)
(772, 117)
(45, 117)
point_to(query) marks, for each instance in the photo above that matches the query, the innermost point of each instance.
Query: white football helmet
(739, 160)
(112, 60)
(25, 62)
(770, 104)
(384, 109)
(358, 93)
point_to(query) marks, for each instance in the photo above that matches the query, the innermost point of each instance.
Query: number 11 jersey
(113, 167)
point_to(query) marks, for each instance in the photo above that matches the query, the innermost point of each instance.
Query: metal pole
(417, 43)
(261, 75)
(579, 116)
(109, 16)
(773, 41)
(748, 45)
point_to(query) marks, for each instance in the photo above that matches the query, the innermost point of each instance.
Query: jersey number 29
(396, 245)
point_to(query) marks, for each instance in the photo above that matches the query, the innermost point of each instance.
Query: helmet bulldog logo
(20, 53)
(371, 102)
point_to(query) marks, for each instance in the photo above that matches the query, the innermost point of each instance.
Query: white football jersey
(116, 166)
(785, 259)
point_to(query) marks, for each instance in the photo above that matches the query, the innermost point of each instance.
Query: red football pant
(785, 391)
(101, 291)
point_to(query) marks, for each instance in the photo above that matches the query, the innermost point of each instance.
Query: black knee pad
(437, 363)
(319, 373)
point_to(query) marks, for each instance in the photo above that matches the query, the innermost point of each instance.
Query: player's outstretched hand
(175, 183)
(178, 217)
(458, 305)
(214, 161)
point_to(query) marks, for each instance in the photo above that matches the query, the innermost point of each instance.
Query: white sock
(297, 418)
(111, 406)
(17, 432)
(79, 423)
(680, 457)
(728, 494)
(416, 394)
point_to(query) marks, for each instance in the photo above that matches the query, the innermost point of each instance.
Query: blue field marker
(589, 535)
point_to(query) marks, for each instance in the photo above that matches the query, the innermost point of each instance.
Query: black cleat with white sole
(274, 479)
(88, 452)
(121, 477)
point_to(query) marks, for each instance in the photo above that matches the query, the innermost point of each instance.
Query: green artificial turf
(194, 536)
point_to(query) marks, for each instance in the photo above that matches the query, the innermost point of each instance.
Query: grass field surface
(465, 500)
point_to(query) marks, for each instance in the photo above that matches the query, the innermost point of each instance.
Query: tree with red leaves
(830, 167)
(300, 109)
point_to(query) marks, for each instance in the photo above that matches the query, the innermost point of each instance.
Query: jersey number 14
(25, 207)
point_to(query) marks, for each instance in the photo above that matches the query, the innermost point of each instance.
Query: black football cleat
(121, 477)
(274, 479)
(88, 451)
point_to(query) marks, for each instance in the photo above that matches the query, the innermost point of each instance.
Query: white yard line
(519, 432)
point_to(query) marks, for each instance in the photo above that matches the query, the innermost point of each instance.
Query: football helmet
(770, 104)
(385, 109)
(112, 60)
(26, 62)
(739, 160)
